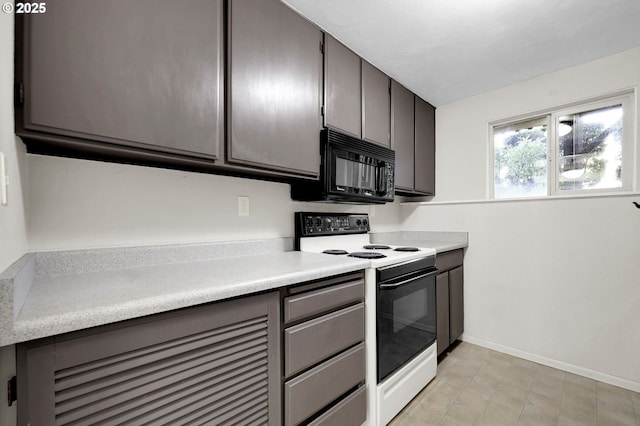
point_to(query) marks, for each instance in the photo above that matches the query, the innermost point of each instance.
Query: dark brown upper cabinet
(342, 88)
(413, 139)
(402, 135)
(275, 88)
(376, 105)
(135, 80)
(425, 148)
(356, 94)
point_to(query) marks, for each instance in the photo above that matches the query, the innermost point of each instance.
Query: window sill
(517, 200)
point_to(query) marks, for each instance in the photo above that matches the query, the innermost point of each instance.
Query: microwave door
(382, 172)
(357, 175)
(371, 177)
(362, 177)
(382, 180)
(342, 174)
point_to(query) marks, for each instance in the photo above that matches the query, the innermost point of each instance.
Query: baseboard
(585, 372)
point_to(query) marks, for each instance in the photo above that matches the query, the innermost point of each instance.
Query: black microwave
(351, 171)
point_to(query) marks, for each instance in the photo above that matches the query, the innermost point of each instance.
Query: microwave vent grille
(368, 148)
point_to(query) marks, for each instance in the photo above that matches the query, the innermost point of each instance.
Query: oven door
(406, 314)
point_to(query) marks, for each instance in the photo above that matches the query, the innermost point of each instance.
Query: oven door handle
(391, 286)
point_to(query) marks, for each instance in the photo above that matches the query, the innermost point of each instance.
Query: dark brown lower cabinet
(456, 304)
(211, 364)
(324, 356)
(449, 298)
(442, 309)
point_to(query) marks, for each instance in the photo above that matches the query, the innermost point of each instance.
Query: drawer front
(449, 260)
(322, 300)
(311, 391)
(351, 411)
(309, 343)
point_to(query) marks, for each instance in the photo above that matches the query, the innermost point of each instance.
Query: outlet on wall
(243, 206)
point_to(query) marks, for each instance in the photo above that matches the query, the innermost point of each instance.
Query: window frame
(552, 116)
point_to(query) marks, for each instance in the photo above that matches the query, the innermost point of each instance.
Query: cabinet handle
(636, 204)
(407, 281)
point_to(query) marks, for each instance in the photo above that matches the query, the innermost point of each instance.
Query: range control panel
(316, 224)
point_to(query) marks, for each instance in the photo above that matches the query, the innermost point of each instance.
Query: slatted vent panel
(213, 377)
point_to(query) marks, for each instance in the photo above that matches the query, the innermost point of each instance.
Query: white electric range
(400, 314)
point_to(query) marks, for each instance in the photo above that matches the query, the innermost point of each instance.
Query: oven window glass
(410, 311)
(406, 322)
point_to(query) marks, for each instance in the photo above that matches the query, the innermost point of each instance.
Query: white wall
(12, 216)
(81, 204)
(461, 131)
(555, 281)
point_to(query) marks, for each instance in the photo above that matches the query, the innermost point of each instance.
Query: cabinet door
(275, 73)
(342, 87)
(402, 135)
(425, 148)
(442, 311)
(144, 74)
(376, 105)
(456, 303)
(209, 364)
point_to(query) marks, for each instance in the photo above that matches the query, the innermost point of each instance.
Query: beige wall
(555, 281)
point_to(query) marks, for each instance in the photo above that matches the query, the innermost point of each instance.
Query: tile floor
(478, 386)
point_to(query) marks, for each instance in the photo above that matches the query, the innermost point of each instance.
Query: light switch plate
(243, 206)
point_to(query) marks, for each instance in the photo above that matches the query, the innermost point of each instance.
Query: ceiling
(447, 50)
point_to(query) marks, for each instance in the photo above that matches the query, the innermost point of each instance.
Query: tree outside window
(520, 164)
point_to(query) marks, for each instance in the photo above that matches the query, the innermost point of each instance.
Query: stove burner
(335, 252)
(407, 249)
(376, 247)
(367, 255)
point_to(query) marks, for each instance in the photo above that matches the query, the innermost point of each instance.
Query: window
(583, 148)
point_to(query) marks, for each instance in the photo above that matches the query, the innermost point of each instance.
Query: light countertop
(59, 303)
(49, 293)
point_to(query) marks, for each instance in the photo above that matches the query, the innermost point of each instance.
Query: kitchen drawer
(449, 260)
(312, 341)
(314, 389)
(350, 411)
(322, 300)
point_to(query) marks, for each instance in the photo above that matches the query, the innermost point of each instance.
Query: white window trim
(627, 98)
